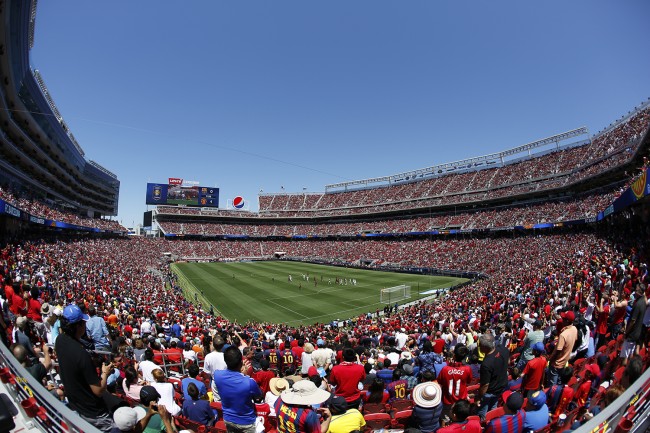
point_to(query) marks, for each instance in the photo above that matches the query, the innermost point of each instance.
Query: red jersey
(601, 327)
(454, 379)
(534, 371)
(472, 426)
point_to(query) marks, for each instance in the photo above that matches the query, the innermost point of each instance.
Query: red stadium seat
(377, 421)
(494, 413)
(399, 405)
(402, 418)
(374, 408)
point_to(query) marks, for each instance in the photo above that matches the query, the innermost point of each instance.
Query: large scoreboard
(177, 192)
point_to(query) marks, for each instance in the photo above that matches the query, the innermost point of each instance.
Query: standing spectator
(427, 397)
(237, 393)
(295, 412)
(563, 348)
(306, 360)
(22, 335)
(346, 377)
(97, 330)
(634, 327)
(454, 379)
(533, 374)
(534, 336)
(427, 358)
(83, 388)
(214, 361)
(493, 372)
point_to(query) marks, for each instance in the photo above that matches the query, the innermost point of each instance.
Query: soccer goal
(394, 294)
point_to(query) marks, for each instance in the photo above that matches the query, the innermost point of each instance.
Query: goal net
(394, 294)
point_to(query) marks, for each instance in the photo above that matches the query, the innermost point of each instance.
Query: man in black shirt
(82, 386)
(494, 374)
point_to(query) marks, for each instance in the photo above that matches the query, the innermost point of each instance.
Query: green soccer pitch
(261, 291)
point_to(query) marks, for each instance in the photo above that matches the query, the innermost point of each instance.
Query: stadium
(400, 271)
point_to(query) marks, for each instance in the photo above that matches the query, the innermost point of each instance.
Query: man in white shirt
(147, 366)
(214, 361)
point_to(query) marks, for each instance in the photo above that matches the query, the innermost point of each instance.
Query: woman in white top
(166, 391)
(306, 358)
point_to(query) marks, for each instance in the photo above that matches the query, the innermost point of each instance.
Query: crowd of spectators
(548, 212)
(449, 361)
(609, 149)
(41, 209)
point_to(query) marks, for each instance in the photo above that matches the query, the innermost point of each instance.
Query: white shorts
(627, 350)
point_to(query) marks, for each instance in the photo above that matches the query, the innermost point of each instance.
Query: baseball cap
(126, 418)
(569, 316)
(312, 371)
(320, 342)
(514, 401)
(73, 314)
(148, 394)
(593, 369)
(408, 369)
(539, 347)
(537, 399)
(338, 405)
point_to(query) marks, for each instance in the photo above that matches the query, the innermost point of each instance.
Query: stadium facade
(40, 159)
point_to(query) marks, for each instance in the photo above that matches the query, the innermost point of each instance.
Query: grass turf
(260, 291)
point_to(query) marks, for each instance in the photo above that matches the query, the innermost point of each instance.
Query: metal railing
(34, 403)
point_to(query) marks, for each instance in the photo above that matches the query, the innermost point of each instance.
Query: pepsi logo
(238, 202)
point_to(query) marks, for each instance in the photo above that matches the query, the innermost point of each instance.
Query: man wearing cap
(514, 418)
(83, 388)
(536, 411)
(533, 375)
(344, 419)
(237, 393)
(346, 377)
(323, 357)
(427, 397)
(563, 348)
(294, 409)
(159, 420)
(135, 419)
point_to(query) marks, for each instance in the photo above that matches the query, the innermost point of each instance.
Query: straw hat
(428, 394)
(277, 385)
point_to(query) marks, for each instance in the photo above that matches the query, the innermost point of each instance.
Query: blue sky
(250, 95)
